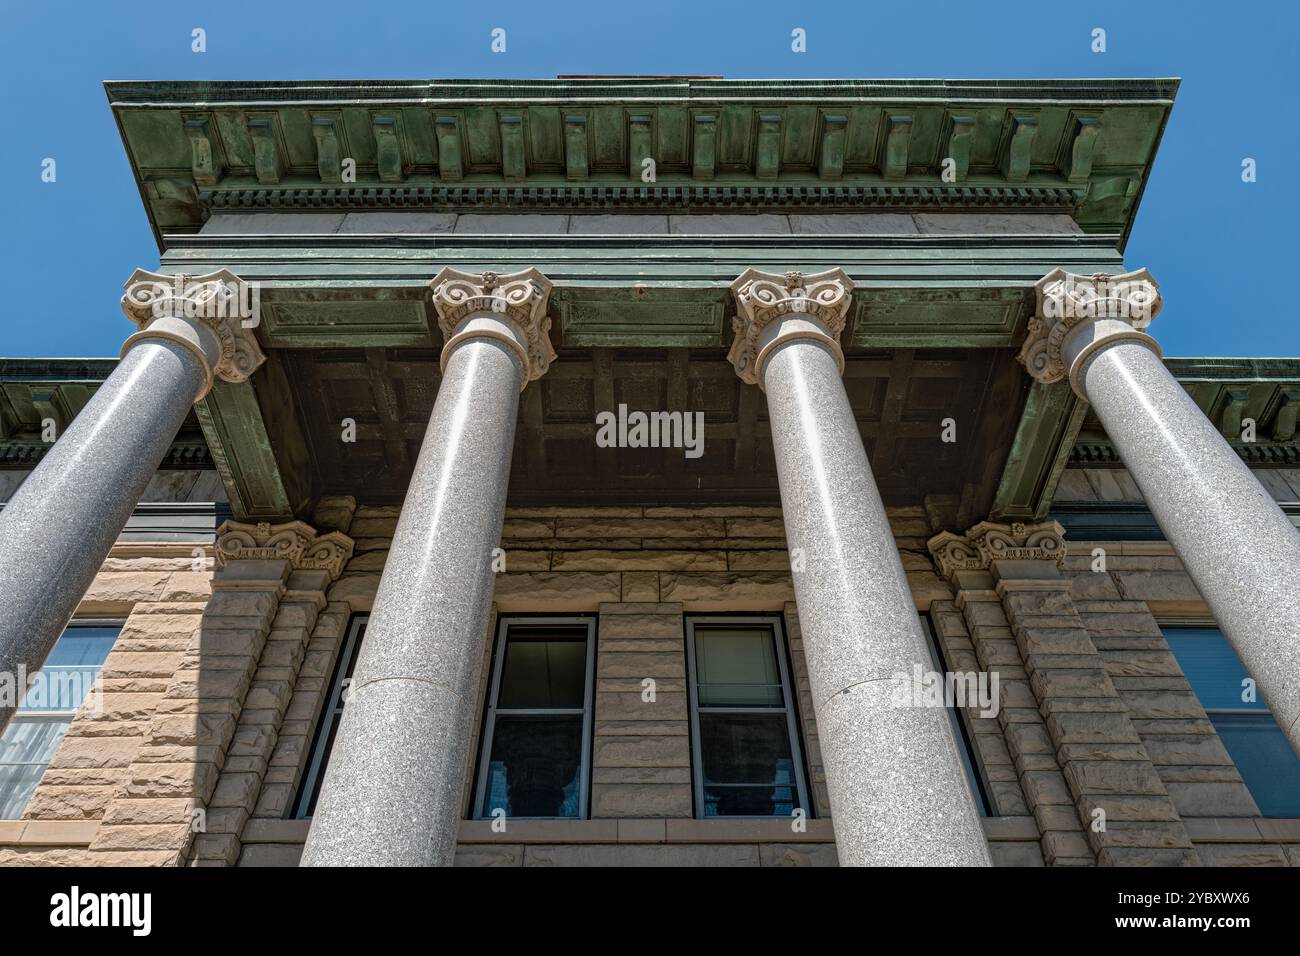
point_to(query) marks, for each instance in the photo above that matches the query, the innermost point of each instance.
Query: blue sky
(1220, 248)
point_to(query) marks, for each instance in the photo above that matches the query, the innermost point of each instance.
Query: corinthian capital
(295, 542)
(212, 315)
(517, 301)
(1076, 315)
(817, 306)
(988, 542)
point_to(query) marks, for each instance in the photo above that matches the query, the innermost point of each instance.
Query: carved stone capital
(815, 305)
(1076, 315)
(295, 542)
(464, 300)
(987, 542)
(213, 315)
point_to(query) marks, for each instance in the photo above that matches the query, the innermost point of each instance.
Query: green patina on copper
(337, 291)
(1240, 396)
(1080, 146)
(1038, 452)
(35, 393)
(653, 146)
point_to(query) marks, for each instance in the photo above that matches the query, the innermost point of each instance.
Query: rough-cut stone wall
(639, 570)
(641, 751)
(1144, 584)
(212, 705)
(1127, 814)
(162, 597)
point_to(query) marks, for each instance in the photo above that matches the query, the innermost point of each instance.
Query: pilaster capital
(487, 305)
(988, 541)
(1076, 315)
(212, 315)
(295, 542)
(771, 309)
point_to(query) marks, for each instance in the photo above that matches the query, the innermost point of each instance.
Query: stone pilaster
(964, 653)
(243, 790)
(175, 799)
(1118, 808)
(1038, 775)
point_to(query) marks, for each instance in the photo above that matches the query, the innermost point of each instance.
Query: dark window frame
(491, 695)
(330, 714)
(794, 726)
(963, 734)
(1208, 623)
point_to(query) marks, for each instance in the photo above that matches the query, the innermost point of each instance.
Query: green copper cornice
(1056, 429)
(36, 392)
(1084, 147)
(352, 290)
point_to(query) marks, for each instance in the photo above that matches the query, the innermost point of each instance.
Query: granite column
(59, 527)
(897, 789)
(1238, 546)
(392, 792)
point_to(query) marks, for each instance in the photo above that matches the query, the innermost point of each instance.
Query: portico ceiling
(900, 399)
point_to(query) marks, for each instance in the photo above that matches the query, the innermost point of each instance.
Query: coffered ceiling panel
(901, 399)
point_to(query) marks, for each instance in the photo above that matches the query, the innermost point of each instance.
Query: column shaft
(392, 792)
(59, 527)
(897, 791)
(1238, 546)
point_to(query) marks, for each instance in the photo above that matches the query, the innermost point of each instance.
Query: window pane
(26, 746)
(83, 645)
(747, 765)
(70, 670)
(1211, 668)
(737, 667)
(544, 667)
(1264, 759)
(535, 768)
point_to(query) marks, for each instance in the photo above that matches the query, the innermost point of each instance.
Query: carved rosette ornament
(521, 297)
(987, 542)
(295, 542)
(1125, 303)
(219, 303)
(763, 298)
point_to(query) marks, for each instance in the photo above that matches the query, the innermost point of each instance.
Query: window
(1258, 747)
(960, 727)
(535, 760)
(323, 743)
(51, 701)
(744, 730)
